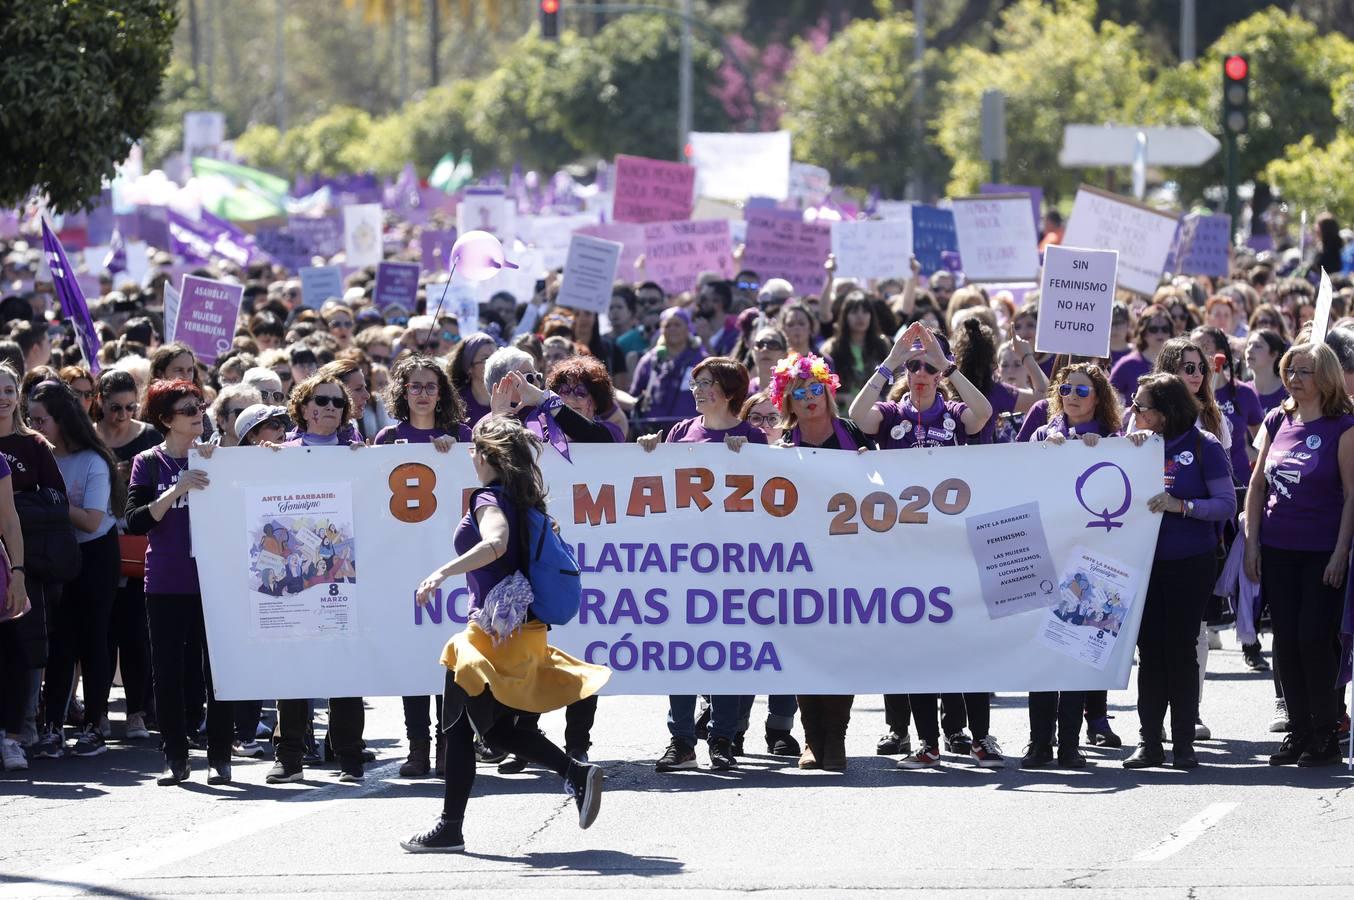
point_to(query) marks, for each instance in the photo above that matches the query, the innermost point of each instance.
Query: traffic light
(1236, 94)
(550, 19)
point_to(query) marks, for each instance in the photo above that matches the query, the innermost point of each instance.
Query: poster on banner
(933, 236)
(589, 274)
(997, 239)
(207, 313)
(1203, 246)
(1036, 195)
(781, 244)
(652, 190)
(1010, 551)
(1142, 235)
(704, 571)
(320, 283)
(362, 235)
(435, 249)
(171, 311)
(735, 166)
(873, 249)
(302, 561)
(676, 253)
(1097, 595)
(396, 285)
(487, 209)
(1076, 301)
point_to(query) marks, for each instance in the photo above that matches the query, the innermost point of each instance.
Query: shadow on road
(596, 862)
(98, 890)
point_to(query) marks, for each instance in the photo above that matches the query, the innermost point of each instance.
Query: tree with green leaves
(79, 82)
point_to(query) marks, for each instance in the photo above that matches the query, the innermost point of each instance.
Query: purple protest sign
(320, 237)
(436, 249)
(396, 284)
(652, 190)
(676, 253)
(207, 313)
(1203, 245)
(782, 245)
(72, 299)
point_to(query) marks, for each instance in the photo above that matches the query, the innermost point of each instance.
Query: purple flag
(116, 260)
(72, 298)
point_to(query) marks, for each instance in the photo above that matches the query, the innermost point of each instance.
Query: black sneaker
(51, 745)
(678, 757)
(1255, 660)
(738, 744)
(577, 754)
(220, 773)
(781, 743)
(703, 725)
(282, 773)
(892, 744)
(89, 742)
(488, 755)
(443, 837)
(1323, 750)
(1291, 750)
(175, 772)
(1099, 733)
(512, 765)
(721, 754)
(311, 756)
(584, 784)
(959, 743)
(351, 773)
(1037, 756)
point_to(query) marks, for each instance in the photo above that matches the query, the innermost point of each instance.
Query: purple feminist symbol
(1105, 519)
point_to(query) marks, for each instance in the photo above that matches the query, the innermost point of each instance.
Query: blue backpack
(551, 567)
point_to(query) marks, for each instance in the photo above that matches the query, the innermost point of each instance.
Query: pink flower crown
(800, 368)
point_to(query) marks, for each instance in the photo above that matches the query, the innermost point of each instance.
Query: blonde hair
(1326, 373)
(7, 371)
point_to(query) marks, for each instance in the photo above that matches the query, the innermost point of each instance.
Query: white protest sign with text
(873, 249)
(1142, 235)
(1076, 301)
(997, 240)
(589, 274)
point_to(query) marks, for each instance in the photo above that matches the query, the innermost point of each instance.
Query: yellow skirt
(523, 672)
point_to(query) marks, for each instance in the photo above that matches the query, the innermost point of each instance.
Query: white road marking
(120, 865)
(1186, 834)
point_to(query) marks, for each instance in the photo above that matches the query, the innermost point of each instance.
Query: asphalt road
(1235, 828)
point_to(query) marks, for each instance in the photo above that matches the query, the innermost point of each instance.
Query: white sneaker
(136, 727)
(1214, 639)
(1279, 724)
(105, 728)
(29, 736)
(246, 749)
(12, 755)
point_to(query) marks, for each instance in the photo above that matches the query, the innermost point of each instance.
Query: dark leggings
(578, 719)
(505, 736)
(1168, 669)
(78, 632)
(417, 719)
(129, 645)
(13, 679)
(1306, 618)
(897, 712)
(178, 650)
(955, 708)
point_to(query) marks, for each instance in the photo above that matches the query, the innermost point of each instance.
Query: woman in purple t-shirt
(501, 666)
(158, 506)
(1198, 498)
(1264, 349)
(1299, 524)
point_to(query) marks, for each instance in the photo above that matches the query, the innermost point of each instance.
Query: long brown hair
(1169, 361)
(513, 451)
(1109, 412)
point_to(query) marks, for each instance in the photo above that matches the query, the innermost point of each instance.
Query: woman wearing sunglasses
(1198, 498)
(321, 410)
(924, 417)
(517, 389)
(81, 382)
(768, 348)
(804, 390)
(1155, 328)
(158, 506)
(1083, 406)
(1299, 525)
(338, 321)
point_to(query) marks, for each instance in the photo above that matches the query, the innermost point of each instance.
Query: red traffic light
(1234, 67)
(550, 6)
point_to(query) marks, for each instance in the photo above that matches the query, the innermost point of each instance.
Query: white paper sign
(1324, 296)
(487, 211)
(138, 264)
(997, 240)
(1076, 301)
(461, 299)
(202, 131)
(171, 308)
(732, 166)
(551, 234)
(1142, 235)
(872, 249)
(589, 274)
(362, 235)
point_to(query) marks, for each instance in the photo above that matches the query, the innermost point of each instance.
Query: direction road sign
(1114, 145)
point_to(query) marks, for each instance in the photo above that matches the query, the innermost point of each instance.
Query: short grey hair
(233, 392)
(260, 375)
(505, 360)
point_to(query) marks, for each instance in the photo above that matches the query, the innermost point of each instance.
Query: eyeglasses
(83, 395)
(379, 360)
(1158, 329)
(451, 337)
(196, 409)
(757, 420)
(114, 409)
(1138, 407)
(341, 323)
(1304, 374)
(1082, 390)
(275, 396)
(765, 344)
(703, 384)
(915, 365)
(1190, 368)
(578, 389)
(746, 285)
(802, 393)
(329, 400)
(418, 388)
(39, 421)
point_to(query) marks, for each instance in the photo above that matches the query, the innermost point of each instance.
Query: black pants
(13, 679)
(578, 719)
(247, 715)
(507, 736)
(1097, 704)
(129, 645)
(178, 657)
(1306, 618)
(417, 719)
(347, 717)
(1062, 709)
(79, 633)
(955, 708)
(897, 712)
(1168, 670)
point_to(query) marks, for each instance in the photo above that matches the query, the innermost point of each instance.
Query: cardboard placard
(206, 318)
(589, 274)
(782, 245)
(877, 249)
(1076, 301)
(997, 238)
(396, 285)
(362, 235)
(1142, 235)
(320, 283)
(652, 190)
(676, 253)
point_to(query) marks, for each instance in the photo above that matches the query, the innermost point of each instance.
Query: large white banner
(1014, 567)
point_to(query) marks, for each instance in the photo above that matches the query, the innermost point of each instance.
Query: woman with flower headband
(924, 417)
(805, 392)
